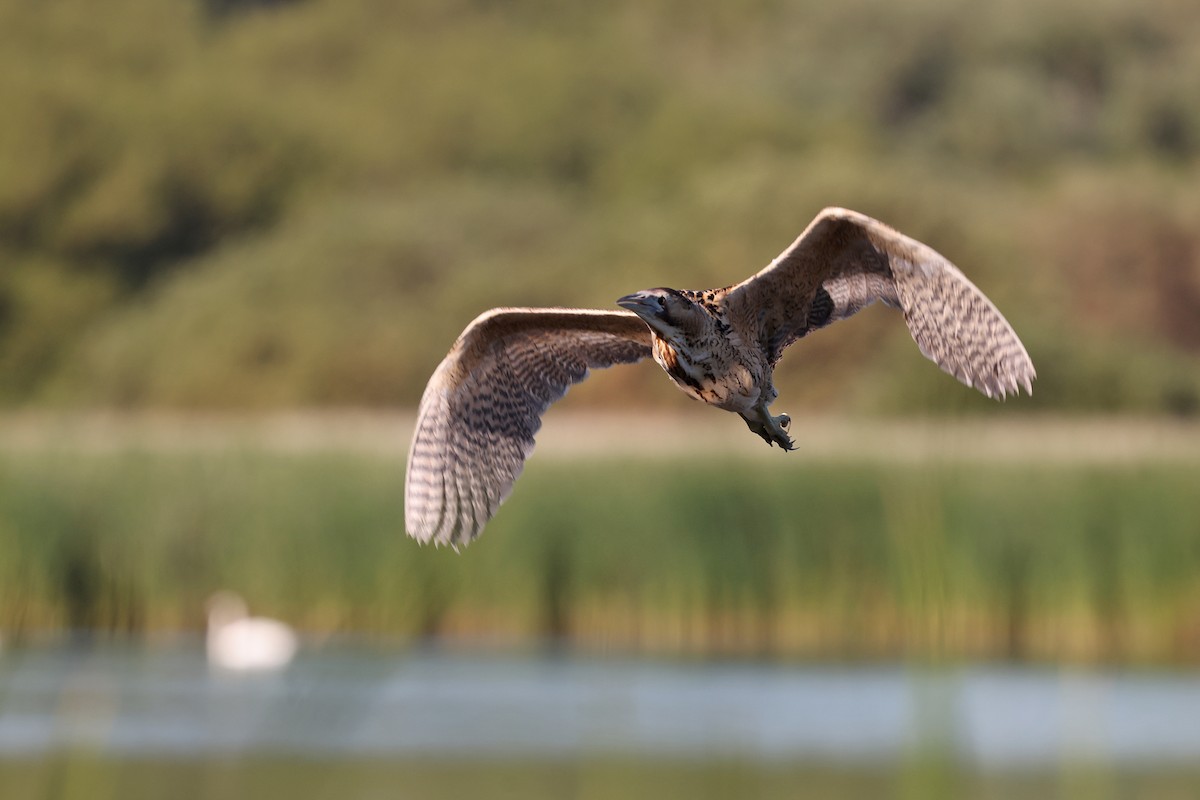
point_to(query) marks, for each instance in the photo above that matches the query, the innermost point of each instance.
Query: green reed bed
(876, 561)
(72, 776)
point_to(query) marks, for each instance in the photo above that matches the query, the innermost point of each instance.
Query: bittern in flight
(483, 405)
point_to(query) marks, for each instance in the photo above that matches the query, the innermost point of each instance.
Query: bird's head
(668, 312)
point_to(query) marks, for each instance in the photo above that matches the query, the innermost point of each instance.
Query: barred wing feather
(483, 406)
(844, 261)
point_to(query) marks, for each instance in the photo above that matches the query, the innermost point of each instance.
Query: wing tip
(1000, 388)
(455, 535)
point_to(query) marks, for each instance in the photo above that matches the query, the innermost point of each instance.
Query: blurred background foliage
(235, 204)
(844, 561)
(262, 205)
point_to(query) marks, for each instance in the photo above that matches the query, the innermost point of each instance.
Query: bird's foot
(779, 428)
(774, 431)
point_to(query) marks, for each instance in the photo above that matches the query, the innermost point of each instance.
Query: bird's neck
(678, 365)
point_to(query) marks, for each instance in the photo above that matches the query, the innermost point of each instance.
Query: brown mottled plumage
(484, 403)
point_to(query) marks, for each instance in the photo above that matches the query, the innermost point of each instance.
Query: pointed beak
(638, 303)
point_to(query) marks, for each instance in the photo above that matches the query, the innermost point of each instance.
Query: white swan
(237, 641)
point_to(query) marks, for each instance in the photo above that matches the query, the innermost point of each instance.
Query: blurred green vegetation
(97, 777)
(1064, 563)
(262, 204)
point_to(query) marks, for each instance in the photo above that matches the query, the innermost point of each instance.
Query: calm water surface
(354, 701)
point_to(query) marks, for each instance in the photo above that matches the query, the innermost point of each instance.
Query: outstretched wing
(484, 403)
(844, 261)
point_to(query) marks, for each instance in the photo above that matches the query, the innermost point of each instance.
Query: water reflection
(165, 700)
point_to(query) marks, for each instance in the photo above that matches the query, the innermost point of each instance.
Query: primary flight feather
(484, 403)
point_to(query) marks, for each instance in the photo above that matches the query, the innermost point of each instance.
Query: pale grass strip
(569, 434)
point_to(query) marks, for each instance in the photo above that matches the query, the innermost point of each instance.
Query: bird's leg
(773, 430)
(757, 427)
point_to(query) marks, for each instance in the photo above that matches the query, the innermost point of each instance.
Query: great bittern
(484, 403)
